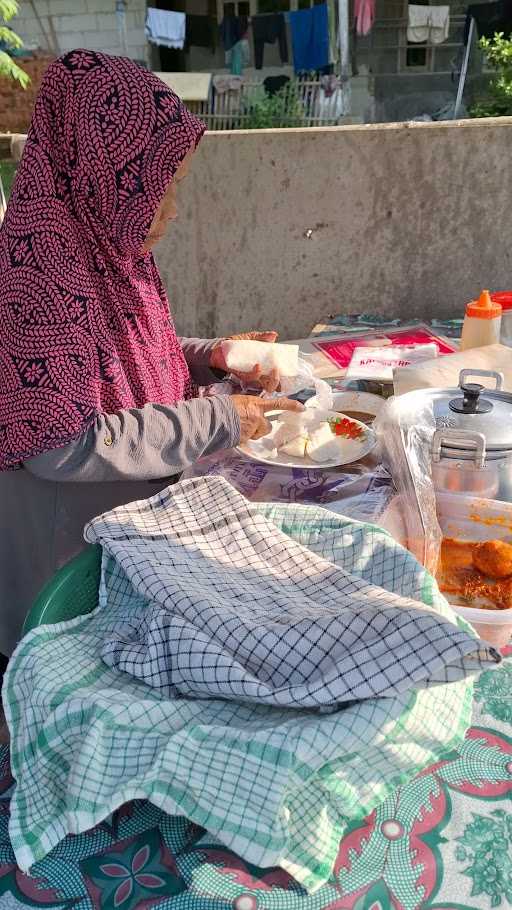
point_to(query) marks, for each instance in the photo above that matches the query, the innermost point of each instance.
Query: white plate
(358, 403)
(351, 450)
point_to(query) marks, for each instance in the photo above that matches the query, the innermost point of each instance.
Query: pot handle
(492, 374)
(447, 435)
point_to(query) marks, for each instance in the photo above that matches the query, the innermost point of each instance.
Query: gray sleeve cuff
(143, 443)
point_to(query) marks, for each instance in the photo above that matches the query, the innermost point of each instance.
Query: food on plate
(494, 558)
(296, 446)
(459, 576)
(313, 434)
(343, 426)
(321, 444)
(361, 416)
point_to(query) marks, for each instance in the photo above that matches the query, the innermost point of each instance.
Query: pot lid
(475, 409)
(469, 409)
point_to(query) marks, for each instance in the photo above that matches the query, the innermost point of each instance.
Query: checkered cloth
(277, 786)
(228, 606)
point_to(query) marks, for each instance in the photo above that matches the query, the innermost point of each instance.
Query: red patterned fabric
(84, 319)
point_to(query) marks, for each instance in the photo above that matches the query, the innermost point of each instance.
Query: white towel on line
(428, 24)
(419, 23)
(166, 28)
(439, 24)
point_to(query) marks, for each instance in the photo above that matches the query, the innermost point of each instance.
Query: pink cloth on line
(84, 319)
(364, 11)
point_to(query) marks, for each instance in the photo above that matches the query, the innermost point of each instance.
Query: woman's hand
(252, 410)
(269, 382)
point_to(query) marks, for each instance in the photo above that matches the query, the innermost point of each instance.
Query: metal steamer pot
(472, 444)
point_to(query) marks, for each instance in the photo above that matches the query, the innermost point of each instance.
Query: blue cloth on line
(310, 38)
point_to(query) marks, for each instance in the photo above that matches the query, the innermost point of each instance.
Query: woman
(98, 401)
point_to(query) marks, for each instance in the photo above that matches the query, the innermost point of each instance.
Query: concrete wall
(81, 23)
(406, 220)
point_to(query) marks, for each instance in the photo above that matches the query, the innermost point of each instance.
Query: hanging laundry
(330, 84)
(268, 30)
(166, 28)
(329, 102)
(310, 39)
(238, 57)
(439, 24)
(232, 30)
(333, 32)
(418, 24)
(364, 14)
(274, 84)
(201, 31)
(223, 84)
(428, 24)
(490, 18)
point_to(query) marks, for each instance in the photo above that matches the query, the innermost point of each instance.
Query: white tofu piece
(295, 447)
(242, 357)
(322, 444)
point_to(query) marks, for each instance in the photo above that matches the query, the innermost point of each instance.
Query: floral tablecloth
(443, 842)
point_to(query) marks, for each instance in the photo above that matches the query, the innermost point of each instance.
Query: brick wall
(16, 103)
(62, 25)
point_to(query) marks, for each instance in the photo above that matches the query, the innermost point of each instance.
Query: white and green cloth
(277, 785)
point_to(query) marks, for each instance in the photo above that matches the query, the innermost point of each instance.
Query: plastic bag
(405, 449)
(306, 379)
(361, 492)
(292, 385)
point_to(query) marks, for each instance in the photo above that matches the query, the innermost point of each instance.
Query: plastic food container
(482, 323)
(476, 520)
(504, 298)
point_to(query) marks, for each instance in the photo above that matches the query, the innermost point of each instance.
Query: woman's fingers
(270, 382)
(251, 411)
(280, 404)
(263, 428)
(269, 337)
(253, 376)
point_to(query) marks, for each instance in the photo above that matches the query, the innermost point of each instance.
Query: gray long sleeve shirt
(148, 443)
(125, 456)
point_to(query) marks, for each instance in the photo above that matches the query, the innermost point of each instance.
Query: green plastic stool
(72, 592)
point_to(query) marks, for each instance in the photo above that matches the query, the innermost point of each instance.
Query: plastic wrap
(306, 379)
(405, 451)
(362, 492)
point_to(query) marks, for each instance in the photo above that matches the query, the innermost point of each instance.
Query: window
(417, 54)
(273, 6)
(242, 8)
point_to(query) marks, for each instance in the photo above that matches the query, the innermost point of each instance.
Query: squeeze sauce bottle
(482, 323)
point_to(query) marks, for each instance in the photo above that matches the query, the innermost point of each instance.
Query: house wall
(62, 25)
(405, 220)
(401, 91)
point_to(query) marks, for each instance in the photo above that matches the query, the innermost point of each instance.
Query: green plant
(7, 172)
(8, 38)
(276, 111)
(498, 100)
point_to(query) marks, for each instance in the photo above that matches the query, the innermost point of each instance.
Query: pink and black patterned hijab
(84, 318)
